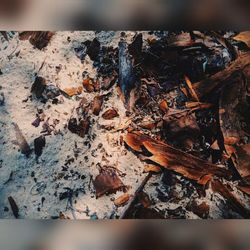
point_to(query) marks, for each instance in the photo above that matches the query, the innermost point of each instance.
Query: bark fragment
(173, 159)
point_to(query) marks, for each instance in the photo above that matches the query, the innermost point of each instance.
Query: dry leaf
(122, 200)
(107, 182)
(73, 91)
(97, 105)
(88, 85)
(243, 37)
(151, 168)
(163, 106)
(110, 114)
(14, 207)
(181, 162)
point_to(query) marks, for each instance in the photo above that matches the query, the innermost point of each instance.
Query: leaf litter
(125, 125)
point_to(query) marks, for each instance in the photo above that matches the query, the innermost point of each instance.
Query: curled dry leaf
(97, 105)
(110, 114)
(234, 122)
(243, 37)
(170, 158)
(107, 182)
(122, 200)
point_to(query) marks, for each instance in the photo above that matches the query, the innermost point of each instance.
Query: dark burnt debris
(186, 101)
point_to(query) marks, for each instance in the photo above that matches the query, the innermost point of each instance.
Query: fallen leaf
(107, 182)
(38, 86)
(152, 168)
(88, 85)
(97, 105)
(39, 144)
(122, 200)
(73, 91)
(173, 159)
(110, 114)
(14, 207)
(80, 128)
(243, 37)
(163, 106)
(39, 39)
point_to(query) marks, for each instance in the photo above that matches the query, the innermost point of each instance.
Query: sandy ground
(32, 181)
(36, 186)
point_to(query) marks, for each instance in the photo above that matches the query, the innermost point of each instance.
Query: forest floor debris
(105, 125)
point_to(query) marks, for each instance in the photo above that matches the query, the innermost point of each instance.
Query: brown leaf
(97, 105)
(151, 168)
(243, 37)
(80, 128)
(107, 182)
(110, 114)
(163, 106)
(181, 162)
(122, 200)
(88, 85)
(39, 39)
(14, 207)
(73, 91)
(232, 201)
(38, 86)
